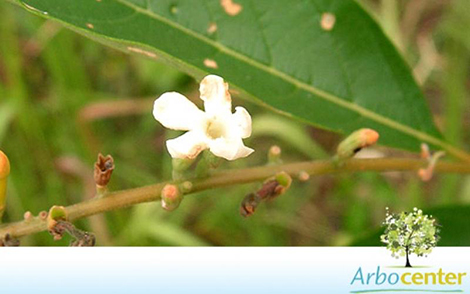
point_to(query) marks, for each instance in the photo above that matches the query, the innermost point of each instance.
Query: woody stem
(125, 198)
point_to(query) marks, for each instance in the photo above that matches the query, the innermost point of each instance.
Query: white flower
(216, 129)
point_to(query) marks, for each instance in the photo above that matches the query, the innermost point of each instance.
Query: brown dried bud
(249, 204)
(82, 238)
(87, 240)
(268, 189)
(56, 229)
(104, 167)
(272, 188)
(9, 241)
(277, 186)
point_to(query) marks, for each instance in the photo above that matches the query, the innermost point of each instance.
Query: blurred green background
(64, 98)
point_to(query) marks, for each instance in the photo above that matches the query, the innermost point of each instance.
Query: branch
(409, 238)
(126, 198)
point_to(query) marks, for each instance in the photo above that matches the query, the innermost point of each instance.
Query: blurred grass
(64, 98)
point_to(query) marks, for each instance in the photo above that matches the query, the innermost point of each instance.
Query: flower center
(215, 128)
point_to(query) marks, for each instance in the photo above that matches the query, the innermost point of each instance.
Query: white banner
(230, 270)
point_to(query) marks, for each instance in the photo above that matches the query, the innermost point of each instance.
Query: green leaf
(275, 52)
(453, 222)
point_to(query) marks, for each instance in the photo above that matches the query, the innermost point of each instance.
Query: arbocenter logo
(407, 234)
(418, 277)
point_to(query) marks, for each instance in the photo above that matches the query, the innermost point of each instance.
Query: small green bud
(171, 197)
(56, 214)
(355, 142)
(284, 179)
(186, 187)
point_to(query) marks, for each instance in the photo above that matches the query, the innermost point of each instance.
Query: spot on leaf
(210, 63)
(212, 28)
(230, 7)
(174, 9)
(328, 21)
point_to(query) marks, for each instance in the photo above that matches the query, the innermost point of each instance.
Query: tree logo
(410, 232)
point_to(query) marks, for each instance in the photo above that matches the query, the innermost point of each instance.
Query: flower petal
(214, 92)
(174, 111)
(242, 120)
(186, 146)
(229, 149)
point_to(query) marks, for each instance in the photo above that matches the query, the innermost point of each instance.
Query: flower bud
(171, 197)
(4, 165)
(104, 167)
(274, 155)
(355, 142)
(42, 215)
(28, 216)
(303, 176)
(4, 172)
